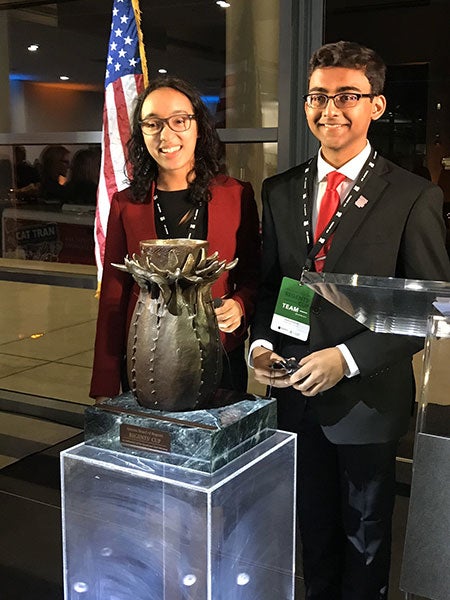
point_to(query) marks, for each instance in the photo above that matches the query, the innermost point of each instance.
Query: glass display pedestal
(140, 529)
(426, 557)
(420, 308)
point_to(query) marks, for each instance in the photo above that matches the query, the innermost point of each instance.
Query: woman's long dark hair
(208, 150)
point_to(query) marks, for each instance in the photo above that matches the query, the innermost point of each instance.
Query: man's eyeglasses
(177, 123)
(342, 100)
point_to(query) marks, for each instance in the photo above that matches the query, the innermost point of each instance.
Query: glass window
(415, 130)
(231, 54)
(48, 202)
(252, 162)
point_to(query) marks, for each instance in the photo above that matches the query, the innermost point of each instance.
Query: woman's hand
(229, 315)
(100, 399)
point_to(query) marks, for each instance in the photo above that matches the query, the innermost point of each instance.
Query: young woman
(177, 191)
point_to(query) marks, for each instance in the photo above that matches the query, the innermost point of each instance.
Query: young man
(351, 398)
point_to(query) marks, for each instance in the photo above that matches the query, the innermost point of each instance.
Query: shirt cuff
(352, 367)
(263, 343)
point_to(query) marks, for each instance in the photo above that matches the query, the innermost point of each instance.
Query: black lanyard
(342, 209)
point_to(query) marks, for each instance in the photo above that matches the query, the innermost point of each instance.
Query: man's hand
(263, 360)
(229, 315)
(319, 371)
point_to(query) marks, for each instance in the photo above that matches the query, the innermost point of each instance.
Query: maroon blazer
(233, 231)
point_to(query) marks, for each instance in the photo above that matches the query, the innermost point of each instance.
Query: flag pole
(137, 16)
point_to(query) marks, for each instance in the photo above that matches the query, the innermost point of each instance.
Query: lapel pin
(361, 202)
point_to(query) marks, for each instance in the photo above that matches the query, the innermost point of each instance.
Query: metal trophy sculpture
(174, 355)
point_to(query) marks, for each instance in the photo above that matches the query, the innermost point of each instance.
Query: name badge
(291, 316)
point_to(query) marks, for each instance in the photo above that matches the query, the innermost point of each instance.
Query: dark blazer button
(315, 310)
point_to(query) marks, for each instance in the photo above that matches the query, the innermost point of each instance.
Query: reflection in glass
(251, 81)
(382, 304)
(230, 54)
(434, 393)
(48, 215)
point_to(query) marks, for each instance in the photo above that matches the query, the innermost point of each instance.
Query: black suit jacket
(399, 232)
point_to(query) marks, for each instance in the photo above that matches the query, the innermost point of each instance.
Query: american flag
(125, 78)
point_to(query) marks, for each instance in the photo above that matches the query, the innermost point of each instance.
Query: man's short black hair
(351, 55)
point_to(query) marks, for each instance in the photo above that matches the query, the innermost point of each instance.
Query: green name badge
(291, 316)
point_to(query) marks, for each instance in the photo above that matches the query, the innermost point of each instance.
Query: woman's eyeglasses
(177, 123)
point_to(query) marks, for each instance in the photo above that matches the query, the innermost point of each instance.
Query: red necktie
(328, 207)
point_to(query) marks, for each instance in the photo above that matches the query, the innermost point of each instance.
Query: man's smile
(332, 125)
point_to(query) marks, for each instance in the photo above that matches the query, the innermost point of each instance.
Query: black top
(175, 206)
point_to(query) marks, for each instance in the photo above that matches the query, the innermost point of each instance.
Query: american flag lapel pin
(361, 202)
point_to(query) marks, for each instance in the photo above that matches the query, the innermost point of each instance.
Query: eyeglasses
(342, 100)
(176, 123)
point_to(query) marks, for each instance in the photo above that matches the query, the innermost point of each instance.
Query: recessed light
(162, 71)
(223, 4)
(63, 77)
(33, 47)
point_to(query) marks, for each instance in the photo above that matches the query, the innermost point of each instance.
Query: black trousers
(345, 500)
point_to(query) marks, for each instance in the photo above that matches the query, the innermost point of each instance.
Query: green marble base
(202, 440)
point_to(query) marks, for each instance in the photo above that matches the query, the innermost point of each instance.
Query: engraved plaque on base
(202, 440)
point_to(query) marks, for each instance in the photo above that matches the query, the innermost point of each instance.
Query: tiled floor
(30, 527)
(46, 340)
(21, 436)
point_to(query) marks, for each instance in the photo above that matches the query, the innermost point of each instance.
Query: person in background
(25, 173)
(55, 161)
(177, 190)
(84, 172)
(6, 176)
(350, 396)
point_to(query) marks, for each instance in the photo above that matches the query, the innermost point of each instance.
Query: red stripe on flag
(123, 122)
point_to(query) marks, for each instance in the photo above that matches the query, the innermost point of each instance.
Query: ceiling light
(162, 71)
(64, 77)
(33, 47)
(223, 4)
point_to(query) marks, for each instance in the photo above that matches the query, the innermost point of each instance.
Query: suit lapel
(218, 213)
(140, 223)
(358, 210)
